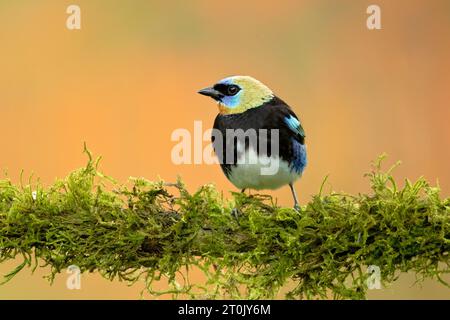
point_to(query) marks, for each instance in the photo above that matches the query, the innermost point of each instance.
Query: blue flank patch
(299, 161)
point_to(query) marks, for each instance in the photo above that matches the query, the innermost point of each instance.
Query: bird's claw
(359, 238)
(297, 207)
(236, 213)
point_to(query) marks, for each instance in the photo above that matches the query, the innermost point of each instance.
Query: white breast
(261, 172)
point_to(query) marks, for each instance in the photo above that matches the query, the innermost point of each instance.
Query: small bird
(246, 104)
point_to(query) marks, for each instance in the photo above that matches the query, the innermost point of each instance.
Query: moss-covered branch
(152, 230)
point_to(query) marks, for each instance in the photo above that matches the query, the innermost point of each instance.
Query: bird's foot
(236, 213)
(359, 238)
(297, 207)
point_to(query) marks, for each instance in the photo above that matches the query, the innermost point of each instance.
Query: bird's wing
(292, 135)
(278, 115)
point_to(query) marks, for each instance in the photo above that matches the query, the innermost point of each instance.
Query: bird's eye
(232, 90)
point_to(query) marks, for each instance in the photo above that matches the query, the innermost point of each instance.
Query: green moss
(153, 231)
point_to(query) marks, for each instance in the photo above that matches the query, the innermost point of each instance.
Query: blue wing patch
(293, 124)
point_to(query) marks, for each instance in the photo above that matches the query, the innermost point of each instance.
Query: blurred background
(128, 79)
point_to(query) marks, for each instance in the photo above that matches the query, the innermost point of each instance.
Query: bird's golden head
(237, 94)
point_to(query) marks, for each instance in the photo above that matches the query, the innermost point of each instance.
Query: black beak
(211, 92)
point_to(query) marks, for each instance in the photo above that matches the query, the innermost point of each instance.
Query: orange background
(129, 78)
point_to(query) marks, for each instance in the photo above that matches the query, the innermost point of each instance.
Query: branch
(153, 230)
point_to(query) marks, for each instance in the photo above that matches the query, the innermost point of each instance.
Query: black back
(271, 115)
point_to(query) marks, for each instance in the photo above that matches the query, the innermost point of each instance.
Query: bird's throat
(225, 110)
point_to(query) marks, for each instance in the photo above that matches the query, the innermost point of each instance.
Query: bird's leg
(235, 211)
(294, 195)
(359, 237)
